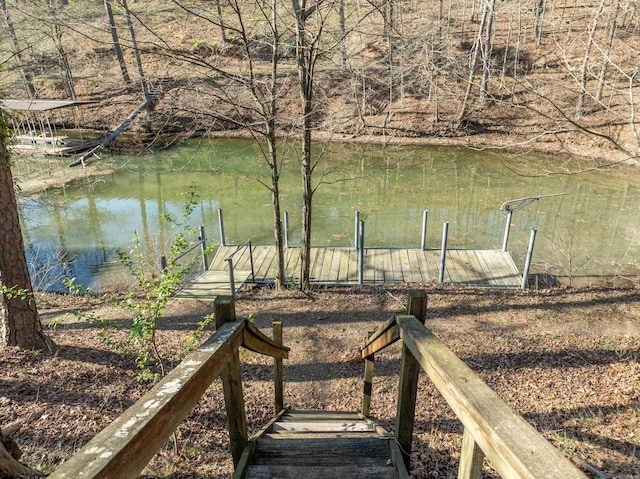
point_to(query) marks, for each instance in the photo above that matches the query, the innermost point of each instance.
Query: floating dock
(339, 266)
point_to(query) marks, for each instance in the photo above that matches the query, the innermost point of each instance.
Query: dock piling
(221, 227)
(527, 264)
(286, 230)
(443, 251)
(361, 253)
(203, 246)
(357, 230)
(507, 229)
(232, 282)
(425, 215)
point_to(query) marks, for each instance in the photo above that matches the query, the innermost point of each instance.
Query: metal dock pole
(423, 242)
(527, 264)
(286, 231)
(507, 229)
(221, 227)
(356, 234)
(361, 253)
(232, 283)
(203, 246)
(443, 251)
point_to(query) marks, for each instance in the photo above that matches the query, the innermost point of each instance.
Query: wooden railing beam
(408, 387)
(224, 308)
(385, 339)
(254, 340)
(513, 447)
(125, 447)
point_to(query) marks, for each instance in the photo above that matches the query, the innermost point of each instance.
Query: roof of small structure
(41, 105)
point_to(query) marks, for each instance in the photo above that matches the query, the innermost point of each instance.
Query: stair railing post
(286, 231)
(527, 264)
(356, 235)
(221, 227)
(368, 385)
(203, 247)
(507, 229)
(423, 241)
(361, 253)
(408, 387)
(224, 310)
(278, 371)
(253, 274)
(443, 251)
(471, 457)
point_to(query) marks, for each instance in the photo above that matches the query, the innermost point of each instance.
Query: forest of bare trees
(396, 68)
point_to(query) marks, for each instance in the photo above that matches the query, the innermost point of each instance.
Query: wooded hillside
(560, 72)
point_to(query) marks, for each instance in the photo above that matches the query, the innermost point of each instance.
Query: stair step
(320, 472)
(302, 414)
(361, 452)
(324, 426)
(276, 436)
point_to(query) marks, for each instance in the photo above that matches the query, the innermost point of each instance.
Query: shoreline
(45, 173)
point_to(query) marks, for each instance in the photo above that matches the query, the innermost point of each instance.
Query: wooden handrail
(384, 336)
(254, 340)
(126, 446)
(514, 448)
(492, 429)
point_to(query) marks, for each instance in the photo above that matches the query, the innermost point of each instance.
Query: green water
(592, 231)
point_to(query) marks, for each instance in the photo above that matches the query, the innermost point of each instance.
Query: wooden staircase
(301, 444)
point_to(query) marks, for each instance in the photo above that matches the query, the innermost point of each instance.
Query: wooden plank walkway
(336, 266)
(479, 268)
(212, 284)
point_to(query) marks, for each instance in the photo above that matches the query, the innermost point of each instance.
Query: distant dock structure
(35, 131)
(237, 264)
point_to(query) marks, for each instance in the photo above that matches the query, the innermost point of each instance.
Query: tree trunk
(585, 62)
(20, 325)
(63, 59)
(613, 26)
(27, 77)
(116, 46)
(539, 12)
(10, 453)
(306, 57)
(223, 34)
(487, 48)
(136, 52)
(274, 164)
(343, 35)
(472, 70)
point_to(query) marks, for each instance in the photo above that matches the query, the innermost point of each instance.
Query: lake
(591, 233)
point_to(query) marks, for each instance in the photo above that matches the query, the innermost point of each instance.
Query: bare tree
(258, 114)
(307, 51)
(583, 78)
(116, 46)
(27, 76)
(136, 51)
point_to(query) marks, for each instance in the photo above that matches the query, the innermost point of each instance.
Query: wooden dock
(339, 266)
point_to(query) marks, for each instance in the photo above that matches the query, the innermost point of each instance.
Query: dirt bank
(566, 359)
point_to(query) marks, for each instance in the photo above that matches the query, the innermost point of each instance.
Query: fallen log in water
(112, 135)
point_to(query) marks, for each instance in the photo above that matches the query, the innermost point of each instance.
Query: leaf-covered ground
(567, 360)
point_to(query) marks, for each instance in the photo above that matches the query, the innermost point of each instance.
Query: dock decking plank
(333, 265)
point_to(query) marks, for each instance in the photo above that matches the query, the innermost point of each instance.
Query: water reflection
(593, 230)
